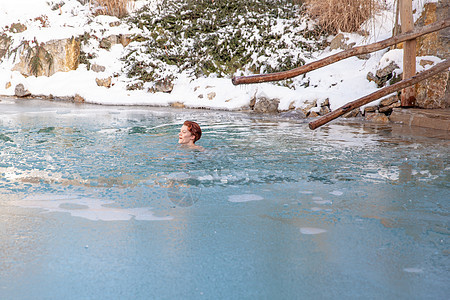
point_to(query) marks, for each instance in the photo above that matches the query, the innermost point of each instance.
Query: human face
(185, 137)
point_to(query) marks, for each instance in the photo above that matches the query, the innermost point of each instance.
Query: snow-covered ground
(340, 82)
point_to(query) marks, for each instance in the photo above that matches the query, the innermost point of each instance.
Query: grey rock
(98, 68)
(308, 105)
(20, 91)
(352, 114)
(108, 42)
(387, 71)
(313, 114)
(389, 100)
(377, 118)
(293, 114)
(78, 99)
(324, 110)
(211, 95)
(363, 56)
(370, 109)
(338, 42)
(266, 105)
(5, 42)
(252, 102)
(349, 46)
(164, 85)
(434, 92)
(383, 75)
(106, 82)
(388, 109)
(17, 28)
(64, 54)
(371, 77)
(325, 103)
(137, 86)
(177, 105)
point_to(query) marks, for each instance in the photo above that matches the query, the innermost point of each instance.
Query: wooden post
(408, 96)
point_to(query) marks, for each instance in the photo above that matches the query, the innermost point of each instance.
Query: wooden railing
(342, 55)
(407, 36)
(380, 93)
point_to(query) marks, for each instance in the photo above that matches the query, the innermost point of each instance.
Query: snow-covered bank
(46, 20)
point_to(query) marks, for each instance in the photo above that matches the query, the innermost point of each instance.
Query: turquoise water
(101, 203)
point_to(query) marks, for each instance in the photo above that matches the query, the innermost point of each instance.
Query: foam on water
(323, 202)
(312, 230)
(87, 208)
(316, 209)
(206, 178)
(337, 193)
(389, 174)
(244, 198)
(392, 174)
(178, 176)
(413, 270)
(305, 192)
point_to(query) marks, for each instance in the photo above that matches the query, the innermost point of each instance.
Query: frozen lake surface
(101, 203)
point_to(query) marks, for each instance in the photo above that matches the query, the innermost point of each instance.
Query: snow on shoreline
(340, 82)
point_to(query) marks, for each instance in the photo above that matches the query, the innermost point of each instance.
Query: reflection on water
(88, 208)
(269, 203)
(113, 148)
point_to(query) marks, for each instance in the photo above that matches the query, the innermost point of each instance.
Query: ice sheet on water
(87, 208)
(390, 174)
(317, 209)
(337, 193)
(413, 270)
(384, 174)
(305, 192)
(244, 198)
(323, 202)
(206, 178)
(178, 176)
(311, 230)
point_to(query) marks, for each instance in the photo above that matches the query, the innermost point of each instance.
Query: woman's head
(190, 133)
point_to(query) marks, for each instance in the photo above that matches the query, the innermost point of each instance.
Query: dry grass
(117, 8)
(341, 15)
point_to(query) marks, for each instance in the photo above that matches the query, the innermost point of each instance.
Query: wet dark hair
(194, 129)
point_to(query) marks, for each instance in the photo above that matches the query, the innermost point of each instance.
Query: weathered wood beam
(408, 97)
(380, 93)
(342, 55)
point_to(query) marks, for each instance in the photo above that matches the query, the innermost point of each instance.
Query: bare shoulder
(193, 147)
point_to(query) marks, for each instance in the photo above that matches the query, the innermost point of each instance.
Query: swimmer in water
(190, 132)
